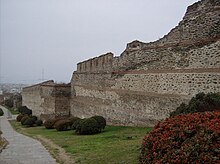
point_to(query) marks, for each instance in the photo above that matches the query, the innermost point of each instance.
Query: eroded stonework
(149, 80)
(47, 99)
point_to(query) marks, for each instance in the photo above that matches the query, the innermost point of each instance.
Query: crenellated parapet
(101, 63)
(200, 26)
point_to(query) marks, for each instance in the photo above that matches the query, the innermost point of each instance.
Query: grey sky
(54, 35)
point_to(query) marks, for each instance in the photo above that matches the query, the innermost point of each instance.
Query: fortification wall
(149, 80)
(101, 63)
(123, 107)
(47, 99)
(32, 98)
(62, 100)
(48, 103)
(200, 26)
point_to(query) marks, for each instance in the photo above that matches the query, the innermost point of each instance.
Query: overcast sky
(49, 37)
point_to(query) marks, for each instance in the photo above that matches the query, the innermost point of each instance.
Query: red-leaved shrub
(191, 138)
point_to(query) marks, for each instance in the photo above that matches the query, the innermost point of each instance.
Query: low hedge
(1, 112)
(24, 119)
(38, 122)
(19, 117)
(62, 125)
(88, 126)
(34, 118)
(73, 119)
(49, 124)
(25, 110)
(29, 122)
(199, 103)
(101, 121)
(75, 124)
(190, 138)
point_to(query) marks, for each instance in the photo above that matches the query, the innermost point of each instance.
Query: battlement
(200, 26)
(101, 63)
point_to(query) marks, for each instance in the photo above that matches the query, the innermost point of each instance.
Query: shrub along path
(21, 149)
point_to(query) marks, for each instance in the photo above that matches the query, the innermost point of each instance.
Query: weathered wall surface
(47, 98)
(62, 100)
(149, 80)
(31, 97)
(122, 107)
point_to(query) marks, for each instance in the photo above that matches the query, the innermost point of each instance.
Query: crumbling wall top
(101, 63)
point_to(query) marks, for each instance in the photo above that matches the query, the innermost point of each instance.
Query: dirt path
(56, 151)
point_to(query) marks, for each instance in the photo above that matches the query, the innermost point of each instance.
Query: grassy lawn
(12, 110)
(115, 144)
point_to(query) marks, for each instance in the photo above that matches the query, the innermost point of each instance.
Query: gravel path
(21, 149)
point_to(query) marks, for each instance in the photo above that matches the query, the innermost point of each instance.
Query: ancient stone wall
(101, 63)
(62, 100)
(149, 80)
(31, 97)
(47, 98)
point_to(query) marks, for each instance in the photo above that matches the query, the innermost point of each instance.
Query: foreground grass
(115, 144)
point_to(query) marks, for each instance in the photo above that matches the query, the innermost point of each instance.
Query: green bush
(19, 117)
(25, 110)
(38, 122)
(24, 119)
(29, 122)
(34, 118)
(72, 120)
(9, 102)
(1, 112)
(88, 126)
(49, 124)
(191, 138)
(62, 125)
(76, 124)
(101, 121)
(200, 103)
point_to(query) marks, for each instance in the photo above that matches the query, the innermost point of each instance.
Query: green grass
(13, 111)
(116, 144)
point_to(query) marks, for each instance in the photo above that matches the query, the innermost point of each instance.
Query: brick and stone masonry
(149, 80)
(48, 99)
